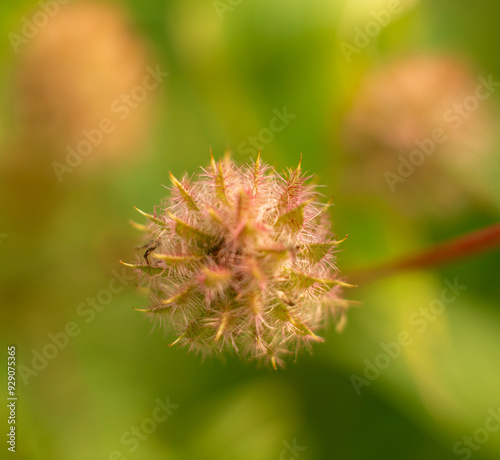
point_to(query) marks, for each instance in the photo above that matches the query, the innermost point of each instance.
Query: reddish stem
(458, 248)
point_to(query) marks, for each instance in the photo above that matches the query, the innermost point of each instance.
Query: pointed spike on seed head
(147, 269)
(292, 188)
(151, 217)
(294, 218)
(186, 230)
(137, 226)
(213, 214)
(256, 272)
(342, 240)
(177, 340)
(337, 282)
(127, 264)
(304, 329)
(317, 251)
(214, 278)
(273, 257)
(254, 300)
(221, 327)
(242, 205)
(227, 157)
(219, 182)
(305, 281)
(180, 297)
(257, 165)
(185, 195)
(212, 161)
(256, 172)
(316, 338)
(176, 259)
(173, 179)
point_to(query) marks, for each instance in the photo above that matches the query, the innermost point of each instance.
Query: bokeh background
(360, 94)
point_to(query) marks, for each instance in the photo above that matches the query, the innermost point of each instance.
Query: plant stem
(458, 248)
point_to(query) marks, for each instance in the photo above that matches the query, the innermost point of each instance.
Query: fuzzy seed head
(241, 258)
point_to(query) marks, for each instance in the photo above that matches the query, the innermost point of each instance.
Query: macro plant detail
(242, 258)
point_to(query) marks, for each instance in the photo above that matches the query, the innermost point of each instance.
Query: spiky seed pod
(241, 258)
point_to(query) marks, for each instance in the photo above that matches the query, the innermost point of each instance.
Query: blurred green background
(231, 65)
